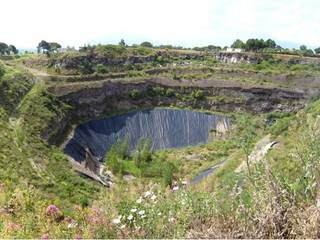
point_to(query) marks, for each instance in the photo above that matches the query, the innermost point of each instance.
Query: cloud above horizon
(177, 22)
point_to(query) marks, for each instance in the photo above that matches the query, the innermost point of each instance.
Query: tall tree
(122, 43)
(3, 48)
(303, 48)
(43, 46)
(146, 44)
(238, 44)
(270, 43)
(13, 49)
(53, 46)
(317, 50)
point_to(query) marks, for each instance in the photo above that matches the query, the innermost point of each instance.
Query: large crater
(166, 128)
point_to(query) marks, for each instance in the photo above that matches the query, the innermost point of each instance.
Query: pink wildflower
(45, 236)
(14, 226)
(78, 237)
(52, 210)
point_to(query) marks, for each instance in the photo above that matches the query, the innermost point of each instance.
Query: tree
(43, 46)
(317, 50)
(53, 46)
(303, 48)
(13, 49)
(270, 43)
(3, 48)
(254, 44)
(146, 44)
(247, 138)
(238, 44)
(122, 43)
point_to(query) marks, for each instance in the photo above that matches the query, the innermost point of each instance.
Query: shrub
(118, 153)
(134, 94)
(100, 68)
(143, 153)
(170, 92)
(159, 91)
(167, 173)
(111, 50)
(2, 69)
(197, 94)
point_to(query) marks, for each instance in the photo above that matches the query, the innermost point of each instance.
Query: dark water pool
(166, 128)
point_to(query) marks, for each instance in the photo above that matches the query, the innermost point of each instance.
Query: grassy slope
(24, 157)
(278, 199)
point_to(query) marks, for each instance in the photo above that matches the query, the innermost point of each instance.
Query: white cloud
(179, 22)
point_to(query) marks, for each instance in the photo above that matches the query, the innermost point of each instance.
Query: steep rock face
(254, 58)
(166, 128)
(86, 62)
(110, 97)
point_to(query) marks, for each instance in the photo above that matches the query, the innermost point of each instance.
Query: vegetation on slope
(41, 196)
(278, 198)
(25, 159)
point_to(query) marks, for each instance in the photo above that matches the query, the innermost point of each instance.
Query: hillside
(255, 177)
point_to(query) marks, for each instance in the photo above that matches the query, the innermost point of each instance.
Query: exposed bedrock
(254, 58)
(105, 98)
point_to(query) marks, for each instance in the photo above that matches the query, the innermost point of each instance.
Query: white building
(229, 49)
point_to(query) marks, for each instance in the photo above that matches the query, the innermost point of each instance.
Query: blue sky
(178, 22)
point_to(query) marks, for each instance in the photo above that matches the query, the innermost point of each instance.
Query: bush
(134, 94)
(159, 91)
(119, 152)
(167, 173)
(2, 69)
(100, 68)
(170, 92)
(280, 126)
(197, 94)
(143, 153)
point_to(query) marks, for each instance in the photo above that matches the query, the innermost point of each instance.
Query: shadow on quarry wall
(166, 128)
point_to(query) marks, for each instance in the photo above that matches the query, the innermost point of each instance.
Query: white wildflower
(133, 210)
(116, 221)
(159, 214)
(130, 217)
(122, 226)
(142, 212)
(72, 225)
(171, 220)
(175, 188)
(153, 197)
(147, 193)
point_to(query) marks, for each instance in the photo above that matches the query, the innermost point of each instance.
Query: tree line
(47, 47)
(254, 44)
(251, 45)
(7, 49)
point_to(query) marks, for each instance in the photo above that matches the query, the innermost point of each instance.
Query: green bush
(2, 69)
(134, 94)
(111, 50)
(170, 92)
(100, 68)
(197, 94)
(280, 126)
(117, 154)
(143, 153)
(167, 173)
